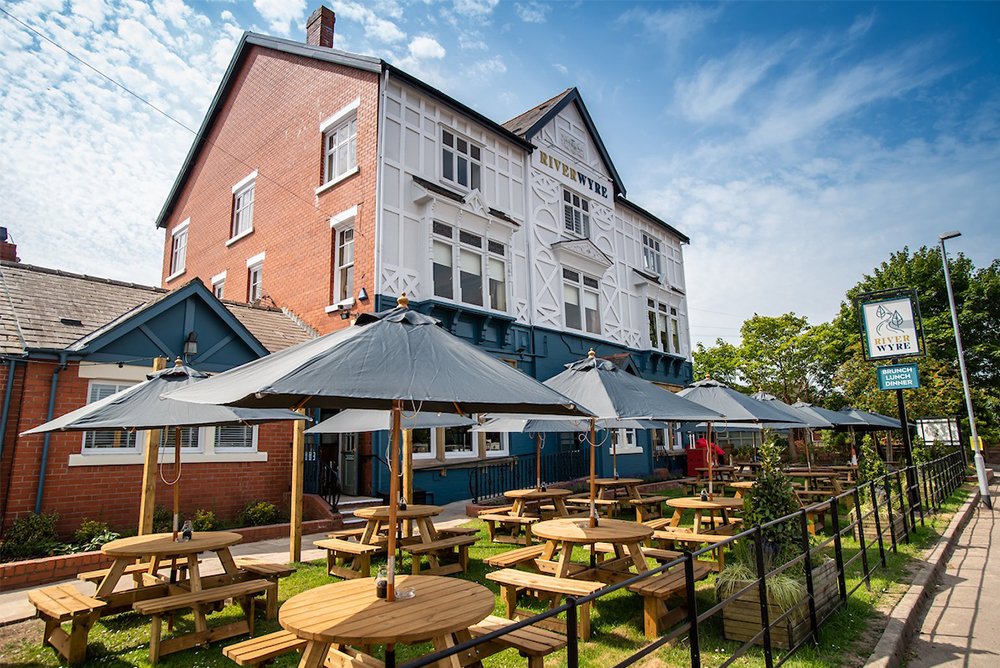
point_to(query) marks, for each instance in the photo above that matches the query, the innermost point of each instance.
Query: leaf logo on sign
(890, 321)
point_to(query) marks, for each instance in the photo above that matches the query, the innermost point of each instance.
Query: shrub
(30, 537)
(204, 520)
(870, 466)
(96, 541)
(89, 529)
(163, 519)
(257, 513)
(784, 589)
(772, 497)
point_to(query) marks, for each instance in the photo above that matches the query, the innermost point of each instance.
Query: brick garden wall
(112, 493)
(271, 122)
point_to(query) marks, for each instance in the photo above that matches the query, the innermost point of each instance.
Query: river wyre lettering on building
(573, 174)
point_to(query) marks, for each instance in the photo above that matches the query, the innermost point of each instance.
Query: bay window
(664, 327)
(481, 276)
(581, 301)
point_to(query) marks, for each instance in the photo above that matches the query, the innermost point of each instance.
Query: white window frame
(255, 265)
(219, 285)
(583, 289)
(576, 207)
(167, 448)
(459, 454)
(452, 157)
(675, 331)
(504, 450)
(241, 222)
(652, 254)
(344, 126)
(432, 453)
(340, 223)
(212, 434)
(623, 447)
(90, 451)
(178, 249)
(488, 249)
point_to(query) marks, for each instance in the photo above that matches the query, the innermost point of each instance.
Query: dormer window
(461, 160)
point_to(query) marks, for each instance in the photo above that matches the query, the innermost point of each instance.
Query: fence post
(888, 506)
(878, 524)
(762, 594)
(692, 611)
(861, 537)
(572, 640)
(902, 507)
(804, 528)
(838, 548)
(922, 477)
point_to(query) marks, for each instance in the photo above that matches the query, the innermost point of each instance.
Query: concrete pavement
(14, 605)
(962, 625)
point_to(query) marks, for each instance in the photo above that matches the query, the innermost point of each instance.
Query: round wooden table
(741, 485)
(720, 504)
(562, 535)
(378, 518)
(520, 497)
(160, 546)
(442, 610)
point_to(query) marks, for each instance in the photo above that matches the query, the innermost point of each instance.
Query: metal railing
(892, 503)
(490, 479)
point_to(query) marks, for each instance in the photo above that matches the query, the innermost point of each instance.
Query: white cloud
(475, 8)
(472, 40)
(720, 83)
(376, 26)
(280, 14)
(560, 68)
(532, 12)
(672, 28)
(426, 48)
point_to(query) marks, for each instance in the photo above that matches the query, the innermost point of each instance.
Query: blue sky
(797, 144)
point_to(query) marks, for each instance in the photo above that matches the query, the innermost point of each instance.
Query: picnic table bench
(346, 558)
(64, 603)
(539, 585)
(657, 589)
(271, 572)
(518, 529)
(243, 592)
(518, 557)
(457, 546)
(264, 649)
(532, 642)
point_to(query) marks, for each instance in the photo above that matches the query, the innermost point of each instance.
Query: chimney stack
(319, 27)
(8, 251)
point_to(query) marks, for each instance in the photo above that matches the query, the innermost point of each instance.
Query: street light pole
(980, 462)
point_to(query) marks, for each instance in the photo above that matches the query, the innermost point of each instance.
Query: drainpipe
(11, 367)
(48, 435)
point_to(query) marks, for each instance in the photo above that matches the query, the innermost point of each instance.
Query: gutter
(11, 367)
(48, 435)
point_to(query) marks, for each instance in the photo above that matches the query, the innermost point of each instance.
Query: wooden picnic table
(720, 504)
(521, 497)
(813, 480)
(626, 538)
(441, 610)
(608, 487)
(741, 485)
(848, 473)
(377, 518)
(719, 473)
(159, 547)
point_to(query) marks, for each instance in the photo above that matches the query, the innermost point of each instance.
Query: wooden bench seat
(513, 558)
(348, 532)
(271, 572)
(64, 603)
(542, 586)
(647, 507)
(265, 649)
(671, 536)
(242, 592)
(346, 558)
(456, 546)
(519, 528)
(496, 510)
(532, 642)
(457, 531)
(656, 589)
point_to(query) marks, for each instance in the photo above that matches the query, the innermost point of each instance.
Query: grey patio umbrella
(354, 420)
(735, 406)
(876, 421)
(383, 361)
(140, 407)
(540, 425)
(810, 421)
(840, 421)
(614, 394)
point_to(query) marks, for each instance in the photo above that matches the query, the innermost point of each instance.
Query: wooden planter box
(741, 618)
(871, 535)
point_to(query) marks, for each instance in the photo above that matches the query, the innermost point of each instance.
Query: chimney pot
(319, 27)
(8, 251)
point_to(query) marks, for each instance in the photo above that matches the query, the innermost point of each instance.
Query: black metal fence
(885, 511)
(490, 479)
(320, 476)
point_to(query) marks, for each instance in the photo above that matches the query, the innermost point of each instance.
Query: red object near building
(697, 456)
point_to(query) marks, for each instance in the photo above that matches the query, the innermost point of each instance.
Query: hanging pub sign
(890, 324)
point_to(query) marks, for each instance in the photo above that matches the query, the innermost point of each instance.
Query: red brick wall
(112, 493)
(270, 122)
(10, 437)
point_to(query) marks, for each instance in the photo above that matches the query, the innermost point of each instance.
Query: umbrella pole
(614, 452)
(177, 482)
(854, 448)
(593, 477)
(397, 409)
(708, 450)
(538, 461)
(809, 465)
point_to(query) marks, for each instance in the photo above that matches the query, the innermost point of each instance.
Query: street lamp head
(949, 235)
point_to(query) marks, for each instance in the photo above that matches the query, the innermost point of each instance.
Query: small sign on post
(898, 377)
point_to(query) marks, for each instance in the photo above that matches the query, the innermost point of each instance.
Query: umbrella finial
(591, 354)
(178, 362)
(402, 301)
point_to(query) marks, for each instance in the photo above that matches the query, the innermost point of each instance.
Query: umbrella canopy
(838, 420)
(806, 420)
(537, 424)
(391, 356)
(354, 420)
(140, 407)
(875, 421)
(736, 407)
(612, 393)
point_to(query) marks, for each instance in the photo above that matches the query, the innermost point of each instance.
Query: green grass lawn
(845, 640)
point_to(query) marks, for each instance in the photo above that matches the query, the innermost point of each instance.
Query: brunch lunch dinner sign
(890, 324)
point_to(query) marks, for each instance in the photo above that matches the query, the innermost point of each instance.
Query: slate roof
(50, 309)
(526, 121)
